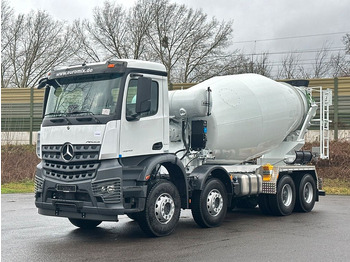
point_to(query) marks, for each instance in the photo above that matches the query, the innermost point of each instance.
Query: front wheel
(209, 206)
(84, 223)
(282, 204)
(162, 210)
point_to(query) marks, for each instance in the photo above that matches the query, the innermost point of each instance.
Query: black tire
(264, 204)
(282, 203)
(162, 210)
(209, 206)
(248, 202)
(84, 223)
(306, 194)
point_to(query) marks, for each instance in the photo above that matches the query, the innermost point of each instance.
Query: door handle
(157, 146)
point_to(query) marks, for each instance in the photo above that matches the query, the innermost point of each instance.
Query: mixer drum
(250, 114)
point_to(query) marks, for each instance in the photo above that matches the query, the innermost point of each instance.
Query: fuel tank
(249, 114)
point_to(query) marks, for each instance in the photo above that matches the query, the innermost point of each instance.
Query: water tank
(250, 114)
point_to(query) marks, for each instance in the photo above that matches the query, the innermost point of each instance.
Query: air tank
(249, 114)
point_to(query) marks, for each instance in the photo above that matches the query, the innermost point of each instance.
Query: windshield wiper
(59, 115)
(89, 113)
(80, 113)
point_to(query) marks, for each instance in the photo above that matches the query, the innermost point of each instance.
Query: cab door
(142, 119)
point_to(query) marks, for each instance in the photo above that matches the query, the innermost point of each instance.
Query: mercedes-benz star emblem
(67, 152)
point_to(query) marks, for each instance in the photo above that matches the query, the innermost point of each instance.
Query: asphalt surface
(246, 235)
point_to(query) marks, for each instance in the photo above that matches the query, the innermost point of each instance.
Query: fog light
(108, 189)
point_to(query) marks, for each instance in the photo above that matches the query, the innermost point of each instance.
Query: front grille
(109, 191)
(83, 165)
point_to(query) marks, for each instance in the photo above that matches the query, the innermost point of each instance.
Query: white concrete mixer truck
(115, 141)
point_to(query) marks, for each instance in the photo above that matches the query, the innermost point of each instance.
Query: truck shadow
(128, 229)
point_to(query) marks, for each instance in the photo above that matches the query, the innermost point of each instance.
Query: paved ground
(322, 235)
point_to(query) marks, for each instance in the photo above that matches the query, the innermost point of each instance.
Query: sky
(258, 25)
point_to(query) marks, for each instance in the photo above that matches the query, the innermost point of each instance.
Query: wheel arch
(176, 172)
(201, 174)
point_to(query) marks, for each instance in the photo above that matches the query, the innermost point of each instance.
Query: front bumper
(110, 193)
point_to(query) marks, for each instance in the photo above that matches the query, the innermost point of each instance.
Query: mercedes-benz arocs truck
(115, 141)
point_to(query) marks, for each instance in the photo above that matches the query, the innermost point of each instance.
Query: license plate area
(66, 188)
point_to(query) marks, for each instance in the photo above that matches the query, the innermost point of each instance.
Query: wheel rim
(215, 202)
(164, 208)
(287, 195)
(308, 192)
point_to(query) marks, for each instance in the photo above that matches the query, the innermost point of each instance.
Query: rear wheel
(162, 210)
(209, 206)
(306, 195)
(282, 203)
(85, 224)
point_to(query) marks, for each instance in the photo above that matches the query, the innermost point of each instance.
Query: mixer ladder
(324, 121)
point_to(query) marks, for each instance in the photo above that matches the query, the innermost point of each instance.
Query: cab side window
(132, 95)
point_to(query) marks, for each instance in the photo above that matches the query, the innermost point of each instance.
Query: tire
(162, 210)
(264, 204)
(306, 194)
(209, 206)
(282, 203)
(84, 223)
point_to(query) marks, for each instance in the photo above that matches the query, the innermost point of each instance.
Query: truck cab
(100, 121)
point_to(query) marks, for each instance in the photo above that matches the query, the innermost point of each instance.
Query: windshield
(93, 95)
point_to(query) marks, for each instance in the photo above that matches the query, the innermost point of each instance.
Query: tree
(340, 65)
(187, 43)
(258, 64)
(140, 20)
(108, 31)
(6, 39)
(346, 40)
(34, 43)
(321, 65)
(115, 32)
(87, 51)
(290, 67)
(191, 46)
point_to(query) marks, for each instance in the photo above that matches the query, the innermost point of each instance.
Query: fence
(21, 109)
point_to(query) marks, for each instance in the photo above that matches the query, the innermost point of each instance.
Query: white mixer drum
(250, 115)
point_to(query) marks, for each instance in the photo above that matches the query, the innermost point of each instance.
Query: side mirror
(42, 83)
(143, 98)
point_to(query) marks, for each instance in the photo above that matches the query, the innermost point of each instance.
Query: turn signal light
(267, 172)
